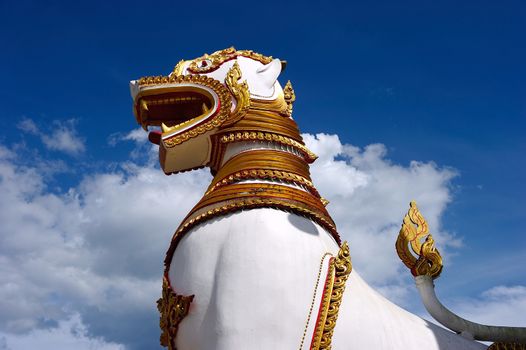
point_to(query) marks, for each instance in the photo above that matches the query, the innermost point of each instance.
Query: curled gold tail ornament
(173, 308)
(414, 236)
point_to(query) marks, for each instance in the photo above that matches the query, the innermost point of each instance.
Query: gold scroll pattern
(173, 308)
(414, 236)
(507, 346)
(289, 96)
(340, 268)
(240, 92)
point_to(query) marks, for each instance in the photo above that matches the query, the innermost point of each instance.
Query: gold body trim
(339, 270)
(311, 308)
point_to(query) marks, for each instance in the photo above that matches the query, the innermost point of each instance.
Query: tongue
(155, 137)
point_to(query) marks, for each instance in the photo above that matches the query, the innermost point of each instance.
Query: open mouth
(175, 109)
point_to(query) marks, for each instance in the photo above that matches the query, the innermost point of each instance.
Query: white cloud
(369, 197)
(62, 137)
(69, 334)
(500, 305)
(144, 152)
(28, 125)
(96, 250)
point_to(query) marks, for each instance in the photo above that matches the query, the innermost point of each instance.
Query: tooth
(204, 108)
(144, 106)
(165, 128)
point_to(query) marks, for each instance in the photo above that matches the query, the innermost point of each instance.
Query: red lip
(154, 137)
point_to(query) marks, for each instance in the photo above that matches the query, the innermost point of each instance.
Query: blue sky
(441, 83)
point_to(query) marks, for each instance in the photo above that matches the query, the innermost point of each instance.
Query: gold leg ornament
(173, 308)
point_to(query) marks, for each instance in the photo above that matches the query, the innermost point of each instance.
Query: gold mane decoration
(418, 240)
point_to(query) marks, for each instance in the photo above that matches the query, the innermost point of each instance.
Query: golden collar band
(238, 197)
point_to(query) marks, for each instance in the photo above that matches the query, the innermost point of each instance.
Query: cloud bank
(83, 266)
(62, 136)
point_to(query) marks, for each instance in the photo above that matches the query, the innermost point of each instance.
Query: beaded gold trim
(266, 136)
(261, 191)
(339, 272)
(173, 308)
(266, 174)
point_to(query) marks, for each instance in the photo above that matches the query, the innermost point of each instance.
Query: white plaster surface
(253, 275)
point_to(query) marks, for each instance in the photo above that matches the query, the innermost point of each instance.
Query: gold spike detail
(165, 128)
(144, 106)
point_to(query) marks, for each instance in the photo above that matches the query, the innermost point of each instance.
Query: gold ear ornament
(240, 92)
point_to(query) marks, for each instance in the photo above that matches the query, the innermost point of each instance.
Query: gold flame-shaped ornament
(414, 239)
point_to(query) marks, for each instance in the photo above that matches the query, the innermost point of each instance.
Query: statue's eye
(205, 63)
